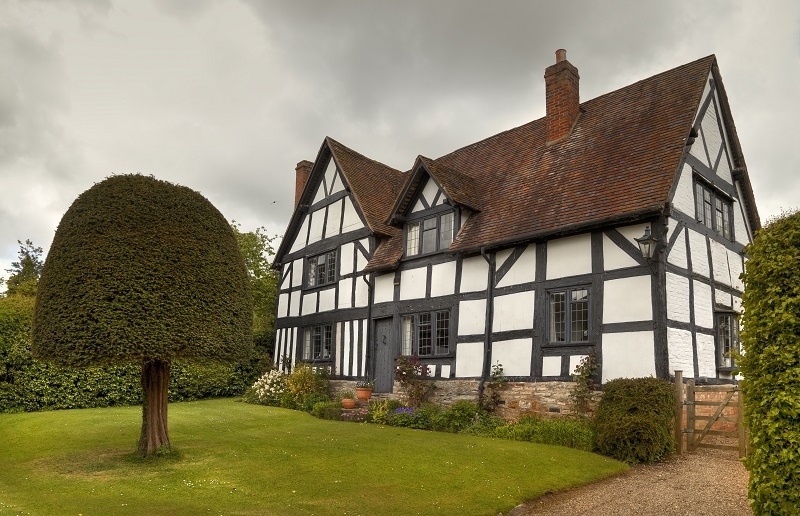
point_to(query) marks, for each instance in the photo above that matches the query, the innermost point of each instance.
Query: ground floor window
(727, 339)
(568, 315)
(318, 342)
(426, 333)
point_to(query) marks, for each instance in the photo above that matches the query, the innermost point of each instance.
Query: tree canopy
(25, 273)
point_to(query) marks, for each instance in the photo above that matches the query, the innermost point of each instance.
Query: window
(713, 209)
(429, 235)
(569, 315)
(318, 342)
(321, 269)
(727, 339)
(426, 334)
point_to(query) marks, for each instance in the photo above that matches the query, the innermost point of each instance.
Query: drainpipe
(487, 339)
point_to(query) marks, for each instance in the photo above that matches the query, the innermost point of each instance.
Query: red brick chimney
(302, 173)
(563, 100)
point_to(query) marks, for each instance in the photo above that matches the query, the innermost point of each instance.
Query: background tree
(771, 365)
(25, 273)
(141, 270)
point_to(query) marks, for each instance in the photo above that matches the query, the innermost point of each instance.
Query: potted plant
(364, 388)
(348, 399)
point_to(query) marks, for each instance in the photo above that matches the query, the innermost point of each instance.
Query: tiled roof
(459, 187)
(618, 164)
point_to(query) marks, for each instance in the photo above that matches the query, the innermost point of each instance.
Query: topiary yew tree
(142, 270)
(771, 366)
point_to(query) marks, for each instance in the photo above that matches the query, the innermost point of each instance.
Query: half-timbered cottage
(524, 248)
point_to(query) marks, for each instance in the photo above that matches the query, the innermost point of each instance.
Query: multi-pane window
(318, 342)
(430, 234)
(569, 315)
(426, 333)
(321, 269)
(727, 338)
(713, 210)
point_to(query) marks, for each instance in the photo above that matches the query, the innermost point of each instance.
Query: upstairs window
(430, 234)
(426, 333)
(569, 315)
(321, 269)
(713, 209)
(318, 342)
(727, 339)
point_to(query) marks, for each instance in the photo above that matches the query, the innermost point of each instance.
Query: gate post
(678, 412)
(690, 423)
(742, 429)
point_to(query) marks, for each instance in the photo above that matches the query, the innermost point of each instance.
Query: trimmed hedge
(771, 366)
(633, 422)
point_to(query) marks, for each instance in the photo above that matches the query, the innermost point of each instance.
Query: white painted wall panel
(361, 260)
(345, 336)
(362, 292)
(297, 273)
(523, 270)
(723, 298)
(443, 279)
(309, 303)
(320, 193)
(317, 221)
(699, 252)
(627, 299)
(302, 233)
(739, 226)
(632, 232)
(628, 355)
(472, 317)
(724, 169)
(703, 308)
(735, 264)
(551, 366)
(283, 305)
(418, 206)
(569, 256)
(683, 200)
(346, 293)
(513, 311)
(681, 354)
(474, 274)
(614, 257)
(334, 224)
(514, 355)
(413, 283)
(446, 371)
(327, 299)
(719, 260)
(346, 259)
(294, 304)
(351, 220)
(677, 254)
(706, 356)
(294, 336)
(384, 288)
(338, 347)
(286, 275)
(469, 359)
(575, 361)
(678, 298)
(429, 191)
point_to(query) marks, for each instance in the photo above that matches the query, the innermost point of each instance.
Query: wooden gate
(706, 415)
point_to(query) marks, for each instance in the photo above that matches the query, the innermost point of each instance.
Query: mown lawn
(234, 458)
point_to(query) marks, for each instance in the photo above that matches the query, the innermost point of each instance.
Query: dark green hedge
(771, 366)
(633, 422)
(142, 269)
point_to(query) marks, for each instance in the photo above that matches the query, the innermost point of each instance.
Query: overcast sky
(227, 96)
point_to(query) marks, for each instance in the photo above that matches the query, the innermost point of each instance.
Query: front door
(386, 351)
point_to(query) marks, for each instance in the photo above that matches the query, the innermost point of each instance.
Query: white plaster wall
(614, 257)
(627, 299)
(283, 305)
(514, 355)
(413, 283)
(719, 260)
(469, 359)
(327, 299)
(739, 226)
(632, 232)
(384, 288)
(472, 317)
(429, 192)
(683, 200)
(317, 221)
(297, 273)
(293, 347)
(699, 252)
(501, 256)
(309, 303)
(446, 371)
(513, 311)
(706, 356)
(362, 293)
(300, 239)
(677, 255)
(418, 206)
(351, 220)
(320, 193)
(286, 276)
(703, 308)
(678, 298)
(628, 355)
(334, 224)
(551, 366)
(345, 336)
(569, 256)
(337, 346)
(346, 293)
(346, 259)
(735, 264)
(681, 354)
(361, 260)
(723, 298)
(575, 361)
(474, 274)
(363, 347)
(443, 279)
(523, 270)
(294, 305)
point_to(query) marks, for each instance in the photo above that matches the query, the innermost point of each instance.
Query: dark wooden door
(386, 350)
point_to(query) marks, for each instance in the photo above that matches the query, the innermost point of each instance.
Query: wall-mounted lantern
(647, 246)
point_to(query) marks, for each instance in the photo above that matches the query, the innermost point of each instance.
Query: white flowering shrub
(269, 389)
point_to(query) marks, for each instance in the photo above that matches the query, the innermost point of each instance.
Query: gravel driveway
(705, 482)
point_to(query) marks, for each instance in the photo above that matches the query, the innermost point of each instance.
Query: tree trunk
(155, 384)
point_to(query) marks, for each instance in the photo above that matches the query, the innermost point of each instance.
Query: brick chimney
(302, 173)
(563, 100)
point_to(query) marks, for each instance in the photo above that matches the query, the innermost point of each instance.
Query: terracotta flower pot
(348, 403)
(363, 393)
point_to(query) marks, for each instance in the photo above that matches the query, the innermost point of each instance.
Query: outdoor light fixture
(647, 246)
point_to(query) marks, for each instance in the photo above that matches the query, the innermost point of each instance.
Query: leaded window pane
(327, 343)
(442, 333)
(579, 311)
(557, 316)
(331, 267)
(408, 335)
(429, 235)
(707, 209)
(307, 345)
(446, 231)
(425, 334)
(412, 240)
(698, 198)
(726, 222)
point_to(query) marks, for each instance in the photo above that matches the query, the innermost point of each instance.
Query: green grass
(235, 458)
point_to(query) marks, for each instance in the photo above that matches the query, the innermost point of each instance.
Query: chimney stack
(563, 99)
(302, 173)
